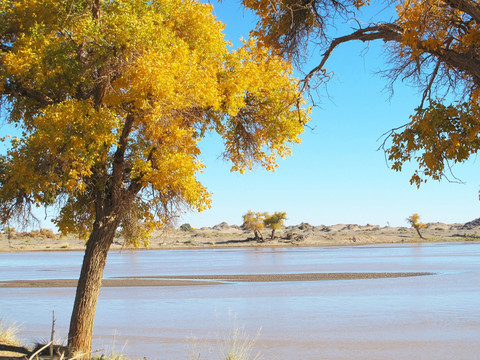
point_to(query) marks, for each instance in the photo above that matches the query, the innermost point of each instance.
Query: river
(425, 317)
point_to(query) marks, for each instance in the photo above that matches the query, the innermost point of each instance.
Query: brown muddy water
(423, 317)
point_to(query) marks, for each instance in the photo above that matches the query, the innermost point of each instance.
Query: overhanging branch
(463, 62)
(385, 32)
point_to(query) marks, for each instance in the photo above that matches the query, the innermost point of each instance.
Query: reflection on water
(432, 317)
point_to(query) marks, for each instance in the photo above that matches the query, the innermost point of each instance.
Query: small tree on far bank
(414, 221)
(186, 227)
(275, 222)
(254, 221)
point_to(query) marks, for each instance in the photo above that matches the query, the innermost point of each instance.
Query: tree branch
(136, 184)
(470, 7)
(428, 90)
(96, 9)
(392, 32)
(16, 89)
(119, 156)
(386, 32)
(456, 60)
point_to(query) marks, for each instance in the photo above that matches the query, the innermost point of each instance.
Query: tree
(275, 222)
(186, 227)
(254, 221)
(414, 221)
(110, 99)
(431, 43)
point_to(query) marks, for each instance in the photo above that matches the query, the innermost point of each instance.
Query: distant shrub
(25, 235)
(48, 233)
(186, 227)
(35, 234)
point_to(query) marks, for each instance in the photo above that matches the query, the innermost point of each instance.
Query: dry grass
(239, 345)
(8, 334)
(232, 343)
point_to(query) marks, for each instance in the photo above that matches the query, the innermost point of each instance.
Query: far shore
(224, 235)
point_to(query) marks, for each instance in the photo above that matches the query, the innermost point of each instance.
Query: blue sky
(337, 175)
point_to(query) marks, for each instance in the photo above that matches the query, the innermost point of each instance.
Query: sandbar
(195, 280)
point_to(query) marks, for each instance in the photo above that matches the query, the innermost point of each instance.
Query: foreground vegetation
(237, 344)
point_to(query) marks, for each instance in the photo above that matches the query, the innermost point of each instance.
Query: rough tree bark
(89, 284)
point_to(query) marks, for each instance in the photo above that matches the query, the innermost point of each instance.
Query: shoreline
(224, 236)
(253, 244)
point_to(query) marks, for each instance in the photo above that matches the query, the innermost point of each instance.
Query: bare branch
(387, 135)
(385, 32)
(428, 90)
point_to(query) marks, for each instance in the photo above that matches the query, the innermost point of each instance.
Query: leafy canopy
(254, 221)
(111, 109)
(414, 220)
(276, 220)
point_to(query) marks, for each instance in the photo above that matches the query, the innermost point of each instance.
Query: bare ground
(224, 235)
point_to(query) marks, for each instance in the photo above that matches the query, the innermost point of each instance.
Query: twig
(39, 351)
(52, 334)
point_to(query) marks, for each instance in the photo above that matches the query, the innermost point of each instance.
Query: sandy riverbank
(191, 280)
(224, 235)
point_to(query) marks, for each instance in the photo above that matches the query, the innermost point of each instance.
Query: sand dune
(225, 235)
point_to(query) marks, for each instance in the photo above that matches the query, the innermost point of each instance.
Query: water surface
(428, 317)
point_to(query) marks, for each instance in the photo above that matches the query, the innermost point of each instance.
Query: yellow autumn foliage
(111, 110)
(414, 221)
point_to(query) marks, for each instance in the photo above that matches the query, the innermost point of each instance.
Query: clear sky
(337, 175)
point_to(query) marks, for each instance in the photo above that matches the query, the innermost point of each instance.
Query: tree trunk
(259, 236)
(88, 288)
(418, 231)
(273, 234)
